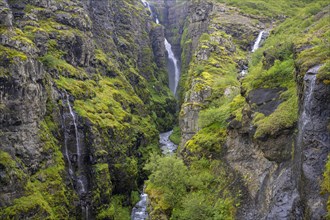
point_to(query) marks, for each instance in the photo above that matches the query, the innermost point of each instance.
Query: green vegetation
(11, 55)
(116, 210)
(194, 192)
(175, 137)
(274, 10)
(326, 184)
(299, 43)
(276, 63)
(46, 195)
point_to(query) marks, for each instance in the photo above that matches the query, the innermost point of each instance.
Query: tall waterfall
(73, 150)
(174, 72)
(139, 211)
(173, 65)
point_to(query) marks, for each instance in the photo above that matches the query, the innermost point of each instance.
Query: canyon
(164, 109)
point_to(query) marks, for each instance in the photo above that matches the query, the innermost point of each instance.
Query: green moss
(102, 185)
(208, 140)
(115, 211)
(62, 66)
(205, 37)
(11, 169)
(101, 56)
(272, 9)
(34, 206)
(326, 184)
(284, 117)
(11, 55)
(175, 137)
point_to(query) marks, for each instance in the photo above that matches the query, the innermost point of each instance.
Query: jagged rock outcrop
(83, 90)
(281, 176)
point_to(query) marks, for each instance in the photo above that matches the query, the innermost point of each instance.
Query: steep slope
(266, 129)
(83, 95)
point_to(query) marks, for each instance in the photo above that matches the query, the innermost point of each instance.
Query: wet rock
(266, 100)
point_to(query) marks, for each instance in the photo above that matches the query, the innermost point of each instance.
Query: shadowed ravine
(139, 212)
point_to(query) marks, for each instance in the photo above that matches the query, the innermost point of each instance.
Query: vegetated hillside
(83, 97)
(248, 144)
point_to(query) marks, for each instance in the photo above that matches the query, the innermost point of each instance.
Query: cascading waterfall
(306, 116)
(256, 46)
(174, 73)
(76, 173)
(82, 188)
(257, 42)
(139, 211)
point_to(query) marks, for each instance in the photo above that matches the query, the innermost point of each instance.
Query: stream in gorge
(139, 211)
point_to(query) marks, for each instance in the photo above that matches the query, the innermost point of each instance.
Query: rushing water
(306, 114)
(77, 173)
(257, 42)
(174, 72)
(167, 146)
(173, 65)
(139, 212)
(256, 46)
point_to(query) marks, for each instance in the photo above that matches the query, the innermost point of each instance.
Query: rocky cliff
(258, 124)
(266, 127)
(83, 95)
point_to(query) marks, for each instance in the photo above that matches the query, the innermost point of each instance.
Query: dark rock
(266, 100)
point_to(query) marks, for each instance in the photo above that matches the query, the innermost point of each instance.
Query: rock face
(87, 73)
(314, 138)
(198, 22)
(279, 169)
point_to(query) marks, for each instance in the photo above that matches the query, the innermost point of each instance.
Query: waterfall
(80, 178)
(139, 211)
(76, 173)
(257, 42)
(256, 46)
(306, 114)
(173, 66)
(174, 73)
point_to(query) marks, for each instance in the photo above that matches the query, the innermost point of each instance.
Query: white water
(174, 76)
(75, 128)
(80, 179)
(306, 114)
(255, 47)
(257, 42)
(167, 146)
(66, 146)
(173, 82)
(139, 211)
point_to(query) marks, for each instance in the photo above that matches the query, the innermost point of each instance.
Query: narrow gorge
(164, 109)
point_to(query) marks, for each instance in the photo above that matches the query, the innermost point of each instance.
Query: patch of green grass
(11, 55)
(284, 117)
(175, 137)
(326, 184)
(62, 66)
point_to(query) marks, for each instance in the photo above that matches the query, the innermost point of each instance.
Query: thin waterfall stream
(255, 47)
(139, 211)
(75, 160)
